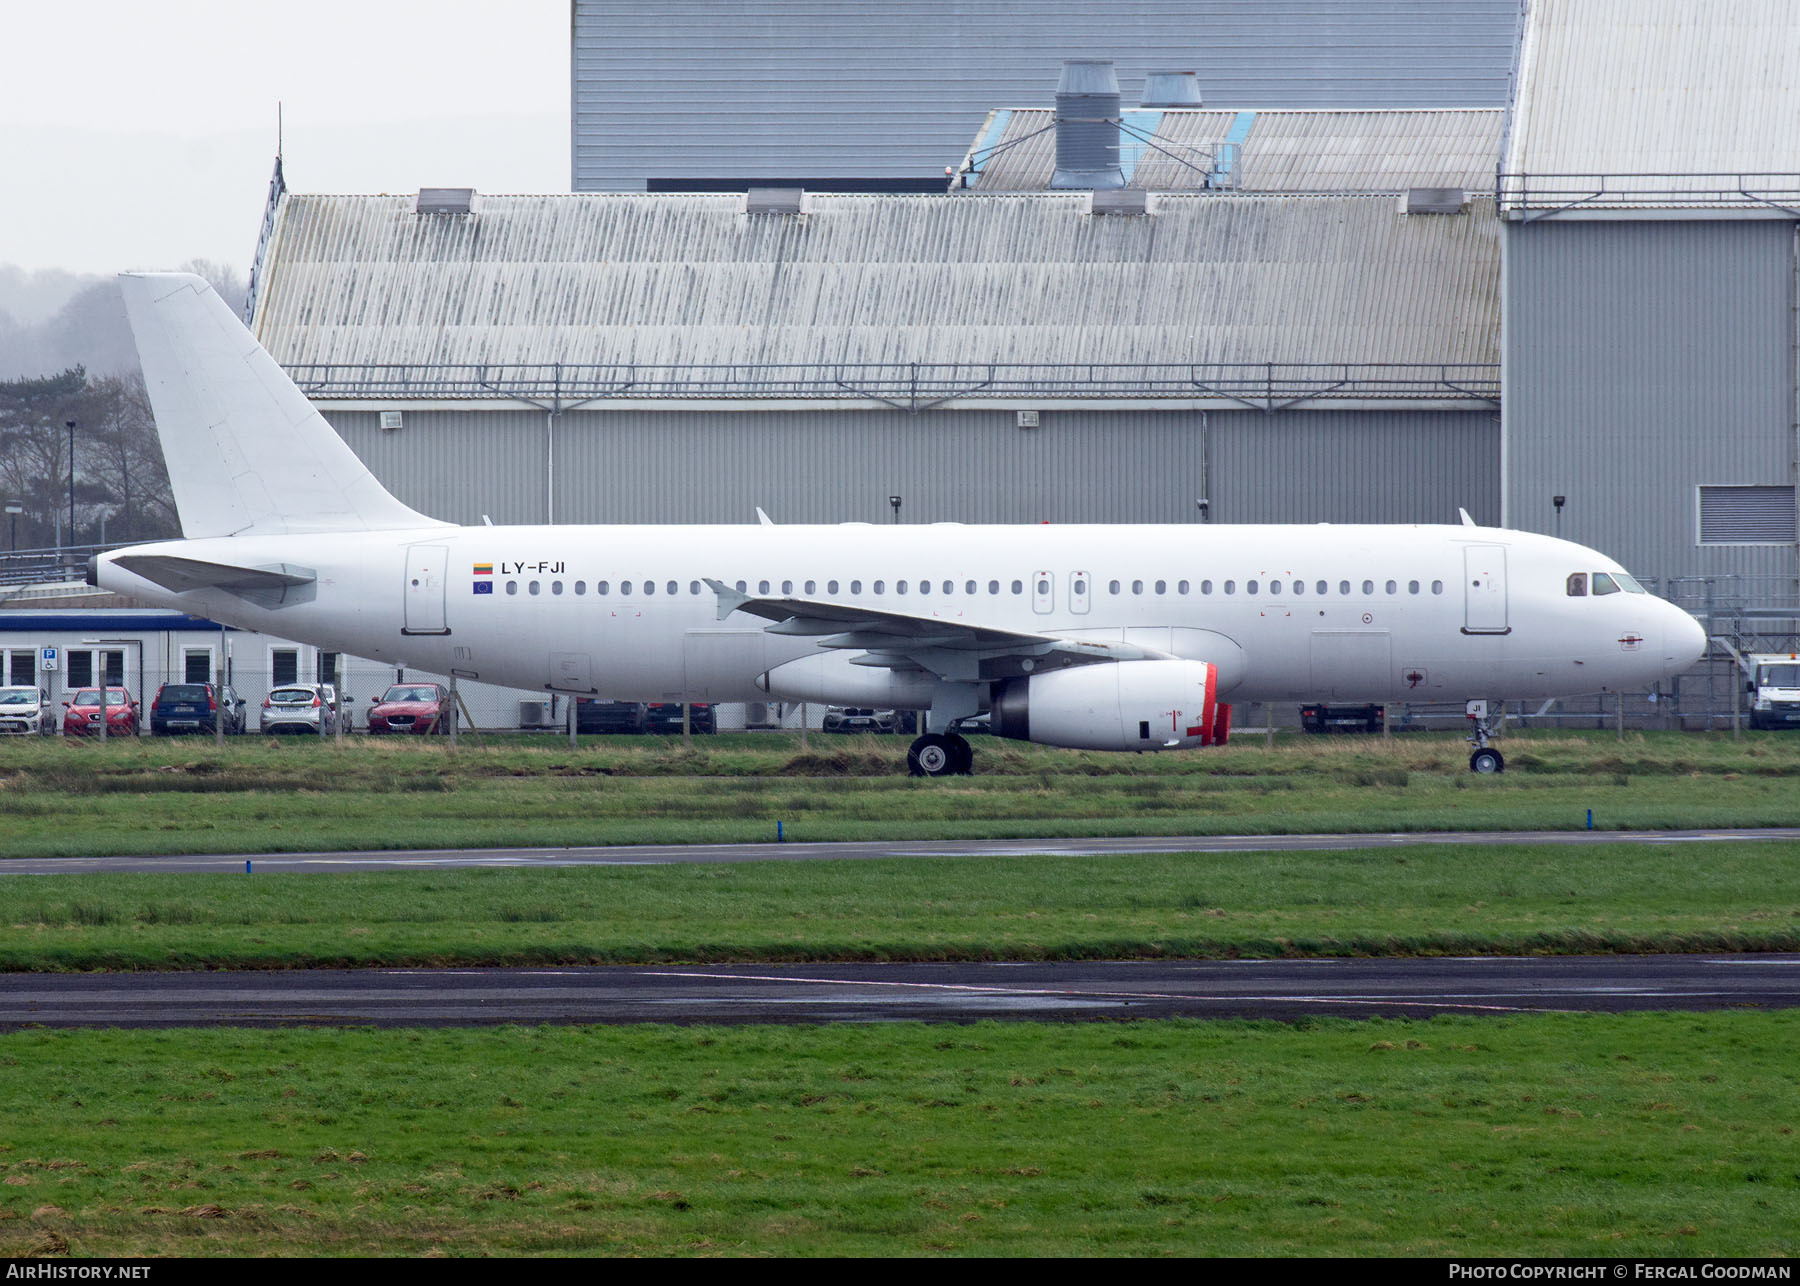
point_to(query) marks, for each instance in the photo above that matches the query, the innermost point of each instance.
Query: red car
(412, 707)
(83, 715)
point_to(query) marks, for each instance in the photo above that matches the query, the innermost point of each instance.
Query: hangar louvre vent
(1171, 89)
(1747, 516)
(1121, 201)
(1087, 126)
(1434, 201)
(445, 201)
(775, 201)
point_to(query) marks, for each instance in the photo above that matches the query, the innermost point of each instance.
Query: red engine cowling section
(1130, 705)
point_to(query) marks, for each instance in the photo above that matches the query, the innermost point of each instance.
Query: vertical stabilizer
(247, 453)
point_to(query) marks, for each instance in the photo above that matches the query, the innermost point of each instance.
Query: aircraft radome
(1100, 637)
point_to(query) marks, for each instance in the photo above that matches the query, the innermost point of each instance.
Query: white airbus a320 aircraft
(1099, 637)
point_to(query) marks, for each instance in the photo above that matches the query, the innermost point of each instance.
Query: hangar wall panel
(820, 88)
(1644, 360)
(953, 465)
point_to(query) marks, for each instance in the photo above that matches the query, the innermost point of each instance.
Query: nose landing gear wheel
(936, 755)
(1487, 760)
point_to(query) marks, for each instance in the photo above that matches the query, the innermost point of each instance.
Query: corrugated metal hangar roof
(1648, 105)
(1177, 149)
(611, 279)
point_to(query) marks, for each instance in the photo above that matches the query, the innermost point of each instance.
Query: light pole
(71, 427)
(1558, 501)
(895, 502)
(13, 510)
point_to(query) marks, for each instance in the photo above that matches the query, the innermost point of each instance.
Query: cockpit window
(1629, 585)
(1604, 584)
(1578, 585)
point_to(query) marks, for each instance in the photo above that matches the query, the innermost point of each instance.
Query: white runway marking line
(981, 989)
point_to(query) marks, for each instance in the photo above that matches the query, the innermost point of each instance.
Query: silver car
(25, 710)
(301, 707)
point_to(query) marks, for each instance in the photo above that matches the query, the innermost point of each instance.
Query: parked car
(301, 707)
(82, 716)
(26, 710)
(412, 707)
(194, 707)
(594, 715)
(859, 719)
(665, 717)
(1328, 718)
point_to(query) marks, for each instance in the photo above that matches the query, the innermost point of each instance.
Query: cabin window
(693, 587)
(649, 587)
(1137, 587)
(1018, 587)
(1412, 587)
(1112, 587)
(1604, 584)
(1393, 587)
(1299, 587)
(1274, 587)
(993, 587)
(762, 587)
(1250, 587)
(1162, 587)
(534, 587)
(924, 587)
(1231, 587)
(673, 587)
(556, 587)
(1437, 587)
(1324, 587)
(787, 587)
(1206, 587)
(812, 587)
(1181, 587)
(602, 588)
(512, 587)
(880, 587)
(950, 587)
(899, 587)
(741, 587)
(831, 587)
(1080, 586)
(856, 587)
(625, 588)
(1368, 587)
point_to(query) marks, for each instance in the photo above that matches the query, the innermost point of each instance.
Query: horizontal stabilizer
(184, 574)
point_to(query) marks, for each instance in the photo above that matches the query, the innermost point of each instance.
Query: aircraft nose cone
(1684, 640)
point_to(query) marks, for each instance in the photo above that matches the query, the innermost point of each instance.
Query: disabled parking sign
(48, 658)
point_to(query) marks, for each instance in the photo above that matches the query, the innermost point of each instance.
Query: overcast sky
(141, 133)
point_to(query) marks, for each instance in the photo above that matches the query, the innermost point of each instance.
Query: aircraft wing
(950, 647)
(259, 584)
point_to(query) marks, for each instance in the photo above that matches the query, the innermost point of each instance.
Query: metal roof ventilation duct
(1171, 89)
(1087, 126)
(445, 201)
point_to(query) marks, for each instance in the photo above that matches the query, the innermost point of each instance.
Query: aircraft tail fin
(247, 453)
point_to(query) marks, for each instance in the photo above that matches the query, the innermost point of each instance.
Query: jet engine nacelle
(1130, 705)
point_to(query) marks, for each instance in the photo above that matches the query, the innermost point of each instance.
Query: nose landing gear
(1485, 758)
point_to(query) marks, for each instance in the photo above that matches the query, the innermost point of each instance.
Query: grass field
(1634, 1135)
(1640, 1135)
(1435, 899)
(262, 795)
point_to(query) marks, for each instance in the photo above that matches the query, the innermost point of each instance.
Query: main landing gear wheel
(937, 755)
(1487, 760)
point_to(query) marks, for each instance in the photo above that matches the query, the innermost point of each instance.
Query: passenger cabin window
(1604, 584)
(1578, 585)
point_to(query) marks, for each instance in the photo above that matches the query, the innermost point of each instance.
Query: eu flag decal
(484, 587)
